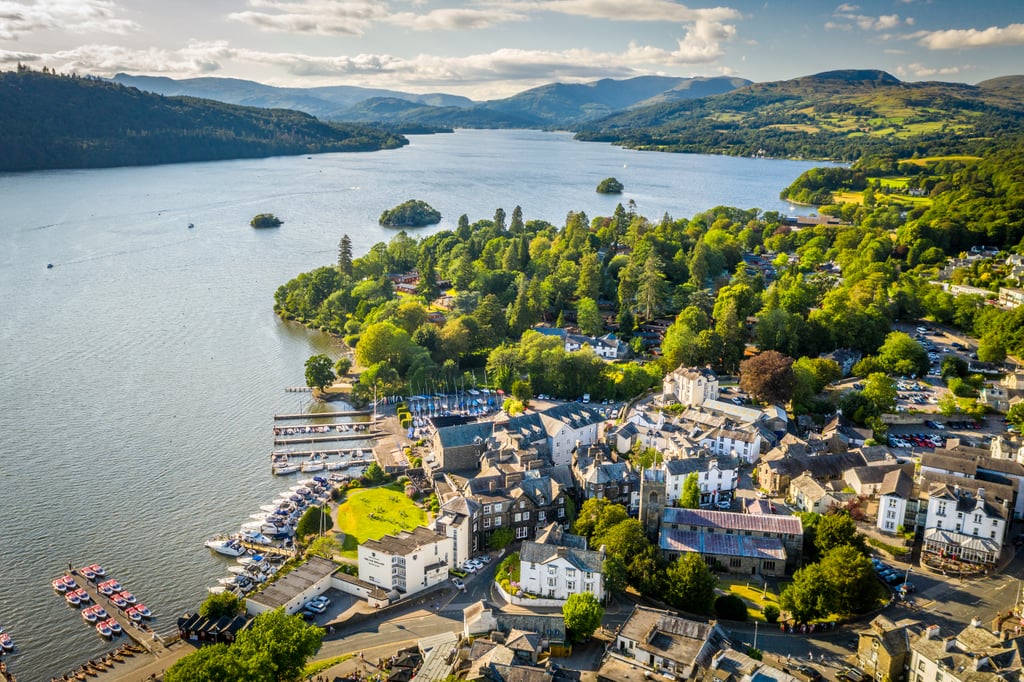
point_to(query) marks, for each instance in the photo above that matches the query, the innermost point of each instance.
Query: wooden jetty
(145, 638)
(268, 549)
(343, 452)
(328, 437)
(322, 415)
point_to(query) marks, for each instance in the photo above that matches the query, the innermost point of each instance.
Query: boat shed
(196, 628)
(291, 592)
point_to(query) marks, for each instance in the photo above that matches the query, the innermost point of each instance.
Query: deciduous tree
(319, 371)
(583, 614)
(690, 499)
(768, 376)
(690, 586)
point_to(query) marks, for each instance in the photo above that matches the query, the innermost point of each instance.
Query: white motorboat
(226, 546)
(285, 468)
(217, 589)
(336, 465)
(314, 463)
(229, 582)
(237, 570)
(259, 538)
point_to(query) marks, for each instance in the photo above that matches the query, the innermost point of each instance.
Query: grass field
(372, 513)
(753, 593)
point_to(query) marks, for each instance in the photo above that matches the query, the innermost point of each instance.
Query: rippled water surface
(139, 375)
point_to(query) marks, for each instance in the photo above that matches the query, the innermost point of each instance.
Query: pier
(322, 415)
(146, 638)
(257, 548)
(328, 438)
(343, 452)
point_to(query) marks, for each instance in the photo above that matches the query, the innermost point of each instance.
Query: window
(768, 565)
(522, 503)
(735, 562)
(487, 509)
(497, 521)
(522, 532)
(551, 582)
(487, 522)
(892, 501)
(541, 516)
(977, 518)
(571, 572)
(526, 516)
(561, 512)
(993, 536)
(518, 517)
(941, 511)
(571, 586)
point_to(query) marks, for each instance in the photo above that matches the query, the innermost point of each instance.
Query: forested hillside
(841, 115)
(51, 121)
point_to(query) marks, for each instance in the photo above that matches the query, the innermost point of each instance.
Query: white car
(315, 607)
(724, 505)
(469, 567)
(459, 585)
(320, 600)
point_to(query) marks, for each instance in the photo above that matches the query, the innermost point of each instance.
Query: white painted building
(974, 654)
(458, 519)
(567, 426)
(964, 524)
(893, 495)
(407, 562)
(745, 444)
(690, 385)
(559, 564)
(717, 477)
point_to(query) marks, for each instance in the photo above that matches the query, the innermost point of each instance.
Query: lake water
(139, 375)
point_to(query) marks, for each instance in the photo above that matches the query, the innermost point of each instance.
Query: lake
(140, 374)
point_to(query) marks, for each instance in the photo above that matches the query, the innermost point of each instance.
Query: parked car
(485, 559)
(724, 505)
(315, 607)
(320, 600)
(852, 674)
(469, 567)
(809, 672)
(459, 585)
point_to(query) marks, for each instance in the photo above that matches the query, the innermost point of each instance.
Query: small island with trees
(610, 186)
(266, 220)
(412, 213)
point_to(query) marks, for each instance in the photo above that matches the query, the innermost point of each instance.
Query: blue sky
(493, 48)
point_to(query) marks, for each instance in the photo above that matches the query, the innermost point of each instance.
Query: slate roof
(819, 466)
(687, 465)
(403, 543)
(464, 434)
(669, 636)
(541, 490)
(811, 489)
(897, 483)
(747, 415)
(552, 545)
(720, 544)
(709, 518)
(574, 415)
(950, 462)
(282, 591)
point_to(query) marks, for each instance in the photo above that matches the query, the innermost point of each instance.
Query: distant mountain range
(841, 115)
(50, 121)
(556, 105)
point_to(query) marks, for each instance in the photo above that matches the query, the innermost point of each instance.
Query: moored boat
(59, 585)
(104, 629)
(89, 615)
(6, 643)
(128, 597)
(226, 546)
(115, 627)
(217, 589)
(133, 614)
(118, 600)
(285, 468)
(87, 572)
(72, 598)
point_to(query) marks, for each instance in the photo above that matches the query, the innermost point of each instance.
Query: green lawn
(752, 592)
(372, 513)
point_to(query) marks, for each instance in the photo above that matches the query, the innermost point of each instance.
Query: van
(586, 398)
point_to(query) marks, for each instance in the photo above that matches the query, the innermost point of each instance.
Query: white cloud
(955, 39)
(845, 17)
(325, 17)
(496, 73)
(21, 17)
(107, 60)
(921, 71)
(452, 19)
(616, 10)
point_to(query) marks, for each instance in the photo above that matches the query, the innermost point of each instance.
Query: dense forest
(53, 121)
(724, 282)
(841, 115)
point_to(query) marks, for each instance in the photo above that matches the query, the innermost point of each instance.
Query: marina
(328, 438)
(118, 607)
(323, 415)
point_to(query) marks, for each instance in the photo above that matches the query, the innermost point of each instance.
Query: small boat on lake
(103, 628)
(128, 597)
(115, 627)
(89, 615)
(118, 601)
(59, 585)
(72, 598)
(133, 614)
(87, 573)
(217, 589)
(143, 611)
(226, 546)
(6, 643)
